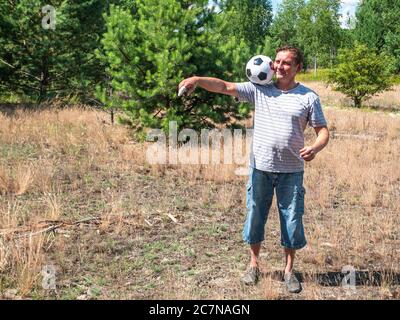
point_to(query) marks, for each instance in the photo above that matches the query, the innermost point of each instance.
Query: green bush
(361, 73)
(396, 79)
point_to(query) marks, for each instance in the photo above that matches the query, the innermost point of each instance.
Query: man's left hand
(308, 153)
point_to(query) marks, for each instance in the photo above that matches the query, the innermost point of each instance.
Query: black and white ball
(259, 70)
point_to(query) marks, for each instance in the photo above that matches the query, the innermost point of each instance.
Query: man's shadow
(336, 279)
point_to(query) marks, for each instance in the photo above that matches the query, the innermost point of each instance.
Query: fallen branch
(49, 229)
(11, 230)
(56, 224)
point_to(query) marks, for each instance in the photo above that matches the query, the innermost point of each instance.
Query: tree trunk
(109, 93)
(44, 80)
(315, 66)
(357, 102)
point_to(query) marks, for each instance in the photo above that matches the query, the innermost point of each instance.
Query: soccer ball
(259, 70)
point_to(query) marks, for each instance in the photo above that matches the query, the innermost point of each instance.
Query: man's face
(285, 66)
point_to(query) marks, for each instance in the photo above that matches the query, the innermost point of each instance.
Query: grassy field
(322, 75)
(76, 193)
(386, 101)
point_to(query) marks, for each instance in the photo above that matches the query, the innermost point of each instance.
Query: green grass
(309, 75)
(322, 75)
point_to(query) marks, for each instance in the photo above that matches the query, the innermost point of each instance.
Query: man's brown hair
(298, 55)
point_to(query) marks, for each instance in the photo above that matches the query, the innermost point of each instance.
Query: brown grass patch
(70, 164)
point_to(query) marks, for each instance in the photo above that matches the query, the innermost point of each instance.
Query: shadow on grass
(335, 279)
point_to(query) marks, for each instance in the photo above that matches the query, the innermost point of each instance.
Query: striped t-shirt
(279, 123)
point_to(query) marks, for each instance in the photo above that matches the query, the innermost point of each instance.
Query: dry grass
(389, 100)
(173, 232)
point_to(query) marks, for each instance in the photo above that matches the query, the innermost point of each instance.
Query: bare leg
(289, 254)
(254, 252)
(252, 274)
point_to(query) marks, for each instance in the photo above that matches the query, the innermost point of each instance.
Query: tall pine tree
(148, 54)
(378, 26)
(44, 63)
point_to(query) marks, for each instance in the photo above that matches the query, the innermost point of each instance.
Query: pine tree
(378, 26)
(149, 53)
(43, 63)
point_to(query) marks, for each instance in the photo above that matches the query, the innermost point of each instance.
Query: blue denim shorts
(290, 198)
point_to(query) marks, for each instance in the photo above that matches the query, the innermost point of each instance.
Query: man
(282, 111)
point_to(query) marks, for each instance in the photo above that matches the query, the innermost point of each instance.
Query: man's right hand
(209, 84)
(190, 84)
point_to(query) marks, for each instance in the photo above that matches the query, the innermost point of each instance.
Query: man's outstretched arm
(210, 84)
